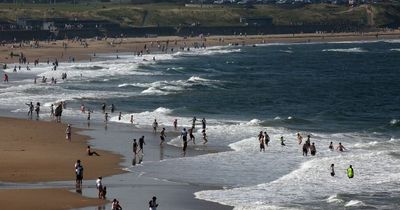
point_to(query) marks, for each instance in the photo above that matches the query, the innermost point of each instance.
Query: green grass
(210, 15)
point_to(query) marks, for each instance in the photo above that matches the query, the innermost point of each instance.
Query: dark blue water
(354, 88)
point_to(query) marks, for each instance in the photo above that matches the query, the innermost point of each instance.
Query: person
(58, 112)
(120, 116)
(103, 107)
(115, 205)
(184, 134)
(106, 117)
(30, 111)
(88, 116)
(99, 185)
(331, 146)
(112, 108)
(52, 110)
(340, 147)
(299, 138)
(332, 169)
(155, 125)
(131, 119)
(204, 136)
(5, 78)
(350, 172)
(37, 110)
(308, 141)
(266, 138)
(261, 140)
(83, 108)
(91, 153)
(162, 136)
(141, 143)
(134, 147)
(203, 122)
(260, 136)
(194, 122)
(176, 124)
(79, 172)
(191, 136)
(313, 150)
(103, 193)
(305, 149)
(153, 203)
(282, 141)
(68, 132)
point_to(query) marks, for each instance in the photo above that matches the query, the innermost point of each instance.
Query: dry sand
(37, 151)
(53, 50)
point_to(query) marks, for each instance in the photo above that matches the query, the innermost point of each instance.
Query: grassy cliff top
(209, 15)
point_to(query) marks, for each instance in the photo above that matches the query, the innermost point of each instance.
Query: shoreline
(148, 185)
(78, 52)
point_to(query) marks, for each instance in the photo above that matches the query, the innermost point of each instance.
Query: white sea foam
(347, 50)
(396, 49)
(354, 203)
(334, 199)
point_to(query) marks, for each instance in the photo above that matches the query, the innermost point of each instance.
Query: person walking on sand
(162, 136)
(91, 153)
(68, 132)
(184, 134)
(299, 138)
(155, 125)
(153, 203)
(141, 143)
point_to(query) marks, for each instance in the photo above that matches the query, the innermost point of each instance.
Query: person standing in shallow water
(282, 141)
(162, 136)
(155, 125)
(350, 172)
(332, 169)
(299, 138)
(184, 134)
(266, 138)
(313, 150)
(153, 203)
(305, 149)
(262, 145)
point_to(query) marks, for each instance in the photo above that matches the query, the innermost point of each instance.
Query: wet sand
(36, 151)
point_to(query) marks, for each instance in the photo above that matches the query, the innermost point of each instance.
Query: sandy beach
(54, 50)
(37, 151)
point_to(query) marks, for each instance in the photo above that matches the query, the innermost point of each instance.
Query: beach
(75, 49)
(241, 85)
(37, 151)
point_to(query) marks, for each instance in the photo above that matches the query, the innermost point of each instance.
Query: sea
(346, 92)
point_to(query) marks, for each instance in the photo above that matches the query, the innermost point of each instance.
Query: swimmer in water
(341, 148)
(331, 146)
(332, 169)
(350, 172)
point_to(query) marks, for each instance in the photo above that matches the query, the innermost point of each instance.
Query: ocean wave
(348, 50)
(354, 203)
(174, 86)
(334, 199)
(397, 49)
(394, 122)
